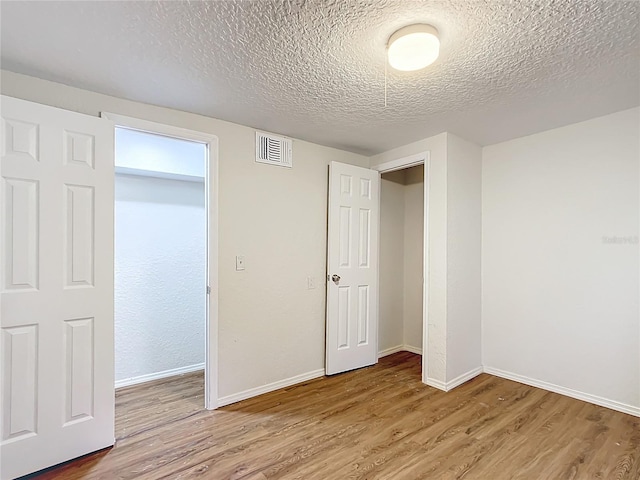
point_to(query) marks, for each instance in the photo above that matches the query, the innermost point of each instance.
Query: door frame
(211, 206)
(422, 158)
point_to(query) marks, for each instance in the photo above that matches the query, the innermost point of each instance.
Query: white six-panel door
(56, 301)
(352, 283)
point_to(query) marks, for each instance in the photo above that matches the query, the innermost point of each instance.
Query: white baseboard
(412, 349)
(287, 382)
(465, 377)
(125, 382)
(270, 387)
(451, 384)
(587, 397)
(432, 382)
(399, 348)
(390, 351)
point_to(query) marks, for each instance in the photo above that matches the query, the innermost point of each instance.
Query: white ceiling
(315, 69)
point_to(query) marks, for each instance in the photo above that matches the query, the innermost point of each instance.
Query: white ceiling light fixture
(413, 47)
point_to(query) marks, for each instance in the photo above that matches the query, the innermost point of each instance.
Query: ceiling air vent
(273, 150)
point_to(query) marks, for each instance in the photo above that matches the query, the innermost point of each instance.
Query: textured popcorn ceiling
(315, 69)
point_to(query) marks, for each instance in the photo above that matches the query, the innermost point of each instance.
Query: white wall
(413, 256)
(464, 179)
(391, 298)
(559, 303)
(160, 275)
(271, 327)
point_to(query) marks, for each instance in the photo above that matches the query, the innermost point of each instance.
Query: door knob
(335, 278)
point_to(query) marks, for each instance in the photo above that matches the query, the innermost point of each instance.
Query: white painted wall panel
(391, 306)
(559, 300)
(463, 248)
(413, 253)
(159, 275)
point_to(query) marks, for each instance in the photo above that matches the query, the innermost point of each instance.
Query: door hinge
(208, 290)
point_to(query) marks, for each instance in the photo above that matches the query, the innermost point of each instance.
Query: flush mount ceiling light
(413, 47)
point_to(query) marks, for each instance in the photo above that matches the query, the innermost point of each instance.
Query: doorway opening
(159, 256)
(404, 257)
(165, 274)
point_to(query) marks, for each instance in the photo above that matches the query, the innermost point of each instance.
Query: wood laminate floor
(375, 423)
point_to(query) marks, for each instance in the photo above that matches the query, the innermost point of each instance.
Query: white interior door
(352, 281)
(56, 301)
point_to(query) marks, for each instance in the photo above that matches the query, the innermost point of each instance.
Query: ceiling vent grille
(273, 150)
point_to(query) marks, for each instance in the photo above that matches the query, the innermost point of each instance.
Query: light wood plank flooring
(375, 423)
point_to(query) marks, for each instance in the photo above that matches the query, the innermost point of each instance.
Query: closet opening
(402, 312)
(160, 273)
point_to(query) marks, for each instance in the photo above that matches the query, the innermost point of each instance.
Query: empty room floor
(379, 422)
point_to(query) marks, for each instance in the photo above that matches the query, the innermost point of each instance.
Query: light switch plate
(239, 263)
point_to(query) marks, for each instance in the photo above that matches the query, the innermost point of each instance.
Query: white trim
(399, 348)
(422, 158)
(425, 268)
(158, 128)
(586, 397)
(253, 392)
(465, 377)
(456, 382)
(213, 233)
(125, 382)
(140, 172)
(270, 387)
(412, 349)
(432, 382)
(402, 163)
(390, 351)
(211, 194)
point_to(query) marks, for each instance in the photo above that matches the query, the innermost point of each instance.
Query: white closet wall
(159, 276)
(401, 259)
(391, 306)
(413, 256)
